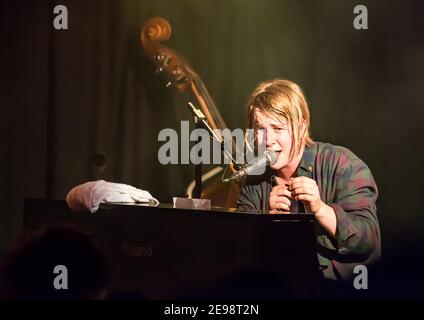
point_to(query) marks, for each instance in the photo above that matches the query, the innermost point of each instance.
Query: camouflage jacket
(347, 185)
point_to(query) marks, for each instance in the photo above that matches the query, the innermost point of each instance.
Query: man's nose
(270, 138)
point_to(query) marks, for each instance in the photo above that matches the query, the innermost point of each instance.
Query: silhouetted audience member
(28, 271)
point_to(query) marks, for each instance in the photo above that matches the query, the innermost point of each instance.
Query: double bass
(155, 31)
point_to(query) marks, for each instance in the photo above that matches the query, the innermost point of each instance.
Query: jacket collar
(306, 165)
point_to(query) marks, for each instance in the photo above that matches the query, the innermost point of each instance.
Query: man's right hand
(279, 200)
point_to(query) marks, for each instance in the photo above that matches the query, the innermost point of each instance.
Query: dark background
(67, 95)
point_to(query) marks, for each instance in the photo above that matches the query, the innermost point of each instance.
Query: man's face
(277, 136)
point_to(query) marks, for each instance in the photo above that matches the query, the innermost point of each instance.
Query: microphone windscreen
(271, 155)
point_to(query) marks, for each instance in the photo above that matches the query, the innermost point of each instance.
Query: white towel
(89, 195)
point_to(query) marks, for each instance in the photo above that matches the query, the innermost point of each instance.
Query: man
(319, 178)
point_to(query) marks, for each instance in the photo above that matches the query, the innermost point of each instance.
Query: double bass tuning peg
(163, 61)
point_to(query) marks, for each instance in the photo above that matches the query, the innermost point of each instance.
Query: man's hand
(279, 200)
(306, 190)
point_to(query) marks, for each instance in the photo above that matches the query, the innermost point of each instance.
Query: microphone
(269, 157)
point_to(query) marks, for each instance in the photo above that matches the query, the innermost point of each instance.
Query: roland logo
(132, 249)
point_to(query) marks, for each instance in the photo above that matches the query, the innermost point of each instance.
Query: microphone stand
(201, 121)
(198, 167)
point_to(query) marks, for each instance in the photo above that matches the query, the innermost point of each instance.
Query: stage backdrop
(71, 98)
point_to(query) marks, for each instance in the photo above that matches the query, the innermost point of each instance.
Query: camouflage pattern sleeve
(247, 202)
(254, 194)
(354, 203)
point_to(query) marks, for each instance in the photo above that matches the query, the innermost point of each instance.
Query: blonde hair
(283, 98)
